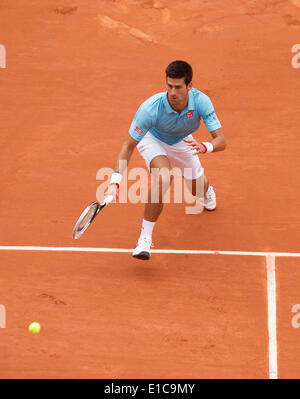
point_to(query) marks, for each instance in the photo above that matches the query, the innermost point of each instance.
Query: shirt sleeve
(208, 114)
(141, 123)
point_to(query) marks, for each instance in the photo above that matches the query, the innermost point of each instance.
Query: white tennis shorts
(180, 155)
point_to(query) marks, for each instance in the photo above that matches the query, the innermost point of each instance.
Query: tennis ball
(34, 328)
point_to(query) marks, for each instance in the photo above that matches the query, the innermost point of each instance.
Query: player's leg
(196, 183)
(155, 156)
(181, 156)
(210, 202)
(160, 182)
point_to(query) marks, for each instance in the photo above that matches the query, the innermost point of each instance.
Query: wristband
(208, 146)
(116, 178)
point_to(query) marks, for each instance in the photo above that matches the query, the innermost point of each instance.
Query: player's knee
(161, 176)
(161, 181)
(165, 181)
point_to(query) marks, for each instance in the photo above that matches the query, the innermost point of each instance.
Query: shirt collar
(190, 106)
(191, 103)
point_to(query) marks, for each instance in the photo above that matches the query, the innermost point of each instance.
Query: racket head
(85, 219)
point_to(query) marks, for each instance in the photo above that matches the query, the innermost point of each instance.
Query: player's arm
(125, 154)
(121, 164)
(218, 143)
(207, 112)
(140, 125)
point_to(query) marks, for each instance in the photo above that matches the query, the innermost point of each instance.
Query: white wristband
(208, 146)
(116, 178)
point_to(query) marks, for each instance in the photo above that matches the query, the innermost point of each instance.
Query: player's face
(178, 92)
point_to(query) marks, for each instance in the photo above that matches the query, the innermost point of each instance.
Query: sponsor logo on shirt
(137, 129)
(189, 114)
(208, 115)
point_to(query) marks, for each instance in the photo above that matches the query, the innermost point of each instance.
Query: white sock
(147, 228)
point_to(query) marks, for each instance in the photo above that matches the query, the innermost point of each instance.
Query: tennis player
(162, 132)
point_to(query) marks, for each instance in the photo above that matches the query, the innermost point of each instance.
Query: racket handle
(107, 200)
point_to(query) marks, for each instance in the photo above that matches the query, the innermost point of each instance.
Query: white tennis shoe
(142, 250)
(210, 201)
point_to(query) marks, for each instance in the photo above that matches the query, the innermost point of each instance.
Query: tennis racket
(88, 215)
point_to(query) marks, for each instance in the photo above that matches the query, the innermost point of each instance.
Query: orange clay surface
(76, 73)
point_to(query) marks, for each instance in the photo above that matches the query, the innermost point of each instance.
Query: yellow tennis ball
(34, 328)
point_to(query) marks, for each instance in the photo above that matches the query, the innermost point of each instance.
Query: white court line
(272, 330)
(157, 251)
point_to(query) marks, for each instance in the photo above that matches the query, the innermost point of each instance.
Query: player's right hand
(113, 190)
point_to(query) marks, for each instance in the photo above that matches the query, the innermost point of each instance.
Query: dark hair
(178, 70)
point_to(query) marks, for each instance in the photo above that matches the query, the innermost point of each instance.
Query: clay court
(76, 72)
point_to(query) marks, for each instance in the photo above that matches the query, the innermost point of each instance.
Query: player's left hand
(198, 147)
(113, 190)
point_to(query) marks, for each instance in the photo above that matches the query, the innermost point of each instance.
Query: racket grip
(107, 200)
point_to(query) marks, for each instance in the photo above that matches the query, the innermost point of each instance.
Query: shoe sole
(210, 210)
(142, 255)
